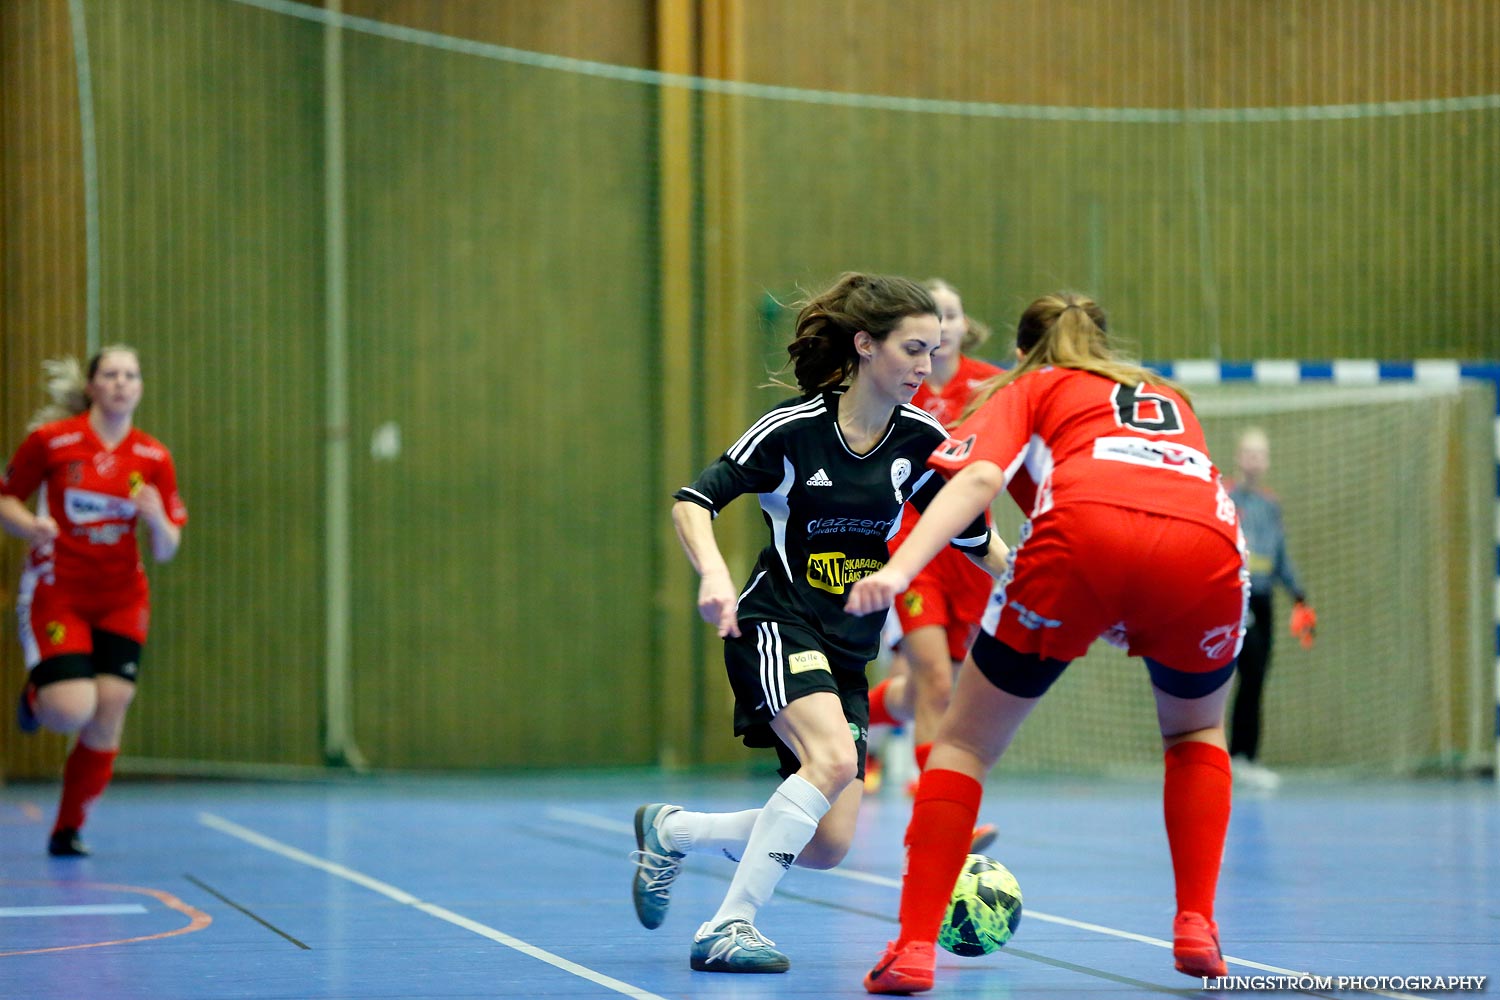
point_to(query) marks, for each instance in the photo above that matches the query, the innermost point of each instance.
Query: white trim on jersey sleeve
(1039, 464)
(1019, 460)
(713, 510)
(917, 413)
(778, 509)
(742, 449)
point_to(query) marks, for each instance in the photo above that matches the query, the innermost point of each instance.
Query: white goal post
(1436, 374)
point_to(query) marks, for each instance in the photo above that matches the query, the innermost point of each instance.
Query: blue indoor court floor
(440, 887)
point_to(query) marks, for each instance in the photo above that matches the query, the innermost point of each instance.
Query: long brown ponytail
(1068, 330)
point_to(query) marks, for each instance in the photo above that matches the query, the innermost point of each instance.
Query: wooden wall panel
(610, 31)
(42, 281)
(1127, 53)
(1226, 238)
(680, 641)
(209, 122)
(208, 205)
(502, 301)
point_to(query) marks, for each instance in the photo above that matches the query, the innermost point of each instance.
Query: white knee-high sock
(785, 825)
(709, 833)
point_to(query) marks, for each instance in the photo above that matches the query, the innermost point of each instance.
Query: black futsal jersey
(830, 512)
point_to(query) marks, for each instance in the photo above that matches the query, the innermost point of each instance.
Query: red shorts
(1161, 587)
(54, 622)
(950, 592)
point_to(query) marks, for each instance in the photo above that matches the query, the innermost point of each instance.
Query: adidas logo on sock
(784, 860)
(819, 478)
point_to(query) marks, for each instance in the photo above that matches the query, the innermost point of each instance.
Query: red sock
(879, 714)
(937, 841)
(920, 751)
(1195, 802)
(85, 776)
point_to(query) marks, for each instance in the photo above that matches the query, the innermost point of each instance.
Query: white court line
(80, 910)
(431, 909)
(615, 826)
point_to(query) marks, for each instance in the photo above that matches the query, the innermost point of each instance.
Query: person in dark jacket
(1269, 564)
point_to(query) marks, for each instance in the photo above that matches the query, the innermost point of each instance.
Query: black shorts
(113, 654)
(771, 665)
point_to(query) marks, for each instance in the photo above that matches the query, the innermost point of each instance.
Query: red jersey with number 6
(90, 492)
(1064, 436)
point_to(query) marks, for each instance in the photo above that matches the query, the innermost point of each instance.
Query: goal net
(1387, 492)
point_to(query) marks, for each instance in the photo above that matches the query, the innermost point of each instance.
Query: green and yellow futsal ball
(984, 909)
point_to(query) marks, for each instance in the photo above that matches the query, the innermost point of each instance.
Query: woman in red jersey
(83, 603)
(1132, 537)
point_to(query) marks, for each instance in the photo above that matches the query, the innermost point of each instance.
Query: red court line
(197, 919)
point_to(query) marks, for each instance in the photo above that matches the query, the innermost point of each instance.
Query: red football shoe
(983, 836)
(903, 971)
(1195, 946)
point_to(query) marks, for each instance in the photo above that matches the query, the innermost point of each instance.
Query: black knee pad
(1025, 675)
(67, 667)
(1183, 684)
(116, 655)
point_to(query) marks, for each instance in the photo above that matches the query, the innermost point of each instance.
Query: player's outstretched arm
(877, 591)
(962, 499)
(996, 559)
(718, 600)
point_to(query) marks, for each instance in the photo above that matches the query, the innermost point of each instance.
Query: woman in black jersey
(832, 469)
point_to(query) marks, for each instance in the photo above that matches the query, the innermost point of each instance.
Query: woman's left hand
(876, 592)
(718, 603)
(148, 503)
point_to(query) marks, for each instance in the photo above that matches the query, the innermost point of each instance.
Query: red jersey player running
(1131, 536)
(939, 614)
(83, 603)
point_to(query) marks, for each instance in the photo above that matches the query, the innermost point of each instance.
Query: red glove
(1304, 623)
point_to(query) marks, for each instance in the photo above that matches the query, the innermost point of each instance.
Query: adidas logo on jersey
(819, 478)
